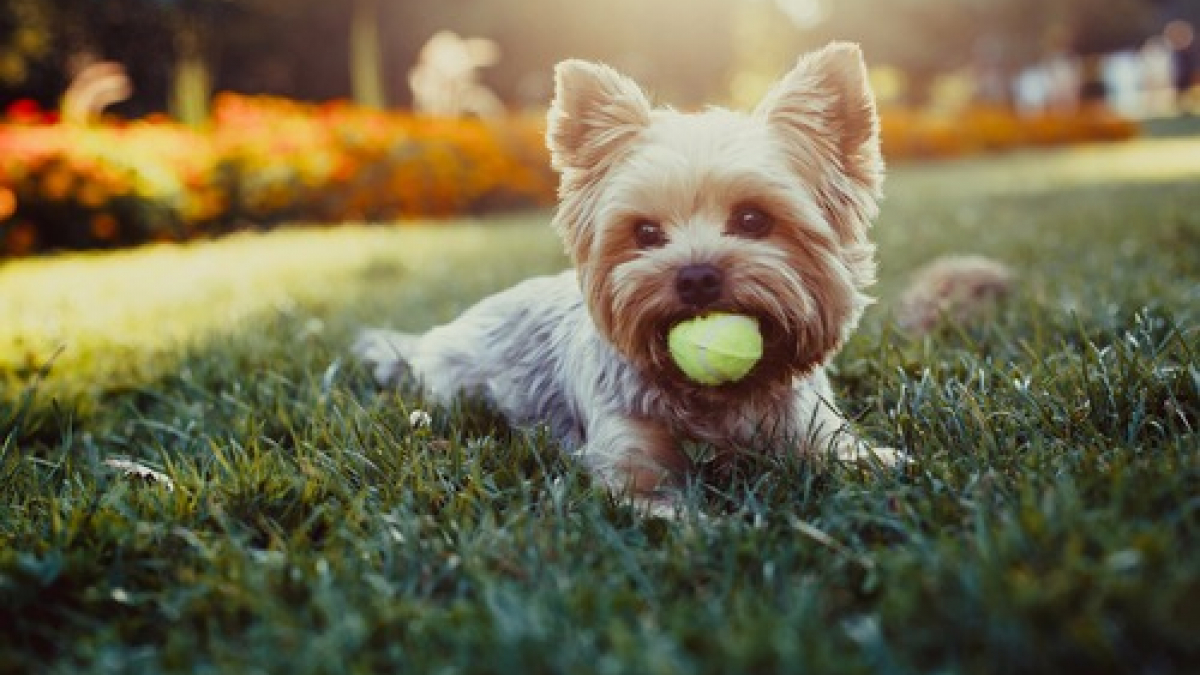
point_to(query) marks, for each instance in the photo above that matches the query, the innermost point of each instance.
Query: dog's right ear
(596, 112)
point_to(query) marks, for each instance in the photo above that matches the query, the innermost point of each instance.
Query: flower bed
(265, 161)
(74, 187)
(912, 134)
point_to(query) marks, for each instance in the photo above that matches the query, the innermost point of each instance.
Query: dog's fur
(774, 205)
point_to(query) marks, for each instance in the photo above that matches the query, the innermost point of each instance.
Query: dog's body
(668, 216)
(533, 353)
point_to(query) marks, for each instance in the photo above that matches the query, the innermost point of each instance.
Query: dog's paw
(863, 454)
(671, 507)
(666, 508)
(386, 353)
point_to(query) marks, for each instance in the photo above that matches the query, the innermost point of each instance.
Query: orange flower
(104, 226)
(56, 184)
(92, 194)
(8, 202)
(21, 239)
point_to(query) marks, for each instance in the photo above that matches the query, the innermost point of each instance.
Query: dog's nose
(698, 285)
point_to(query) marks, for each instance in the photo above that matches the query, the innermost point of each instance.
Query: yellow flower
(91, 194)
(56, 184)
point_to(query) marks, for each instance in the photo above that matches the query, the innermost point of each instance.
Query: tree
(191, 81)
(366, 68)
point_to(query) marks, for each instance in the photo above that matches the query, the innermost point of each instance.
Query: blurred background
(688, 51)
(246, 113)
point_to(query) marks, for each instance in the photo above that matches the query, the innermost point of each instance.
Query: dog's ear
(826, 102)
(596, 112)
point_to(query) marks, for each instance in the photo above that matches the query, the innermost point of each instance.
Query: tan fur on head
(826, 109)
(596, 111)
(827, 100)
(596, 115)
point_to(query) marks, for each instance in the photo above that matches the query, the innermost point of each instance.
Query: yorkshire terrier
(668, 216)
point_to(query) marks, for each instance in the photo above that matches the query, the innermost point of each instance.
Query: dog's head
(669, 215)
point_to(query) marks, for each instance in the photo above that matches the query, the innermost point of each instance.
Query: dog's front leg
(636, 458)
(824, 431)
(833, 436)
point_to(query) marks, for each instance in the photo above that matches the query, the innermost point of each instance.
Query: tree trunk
(191, 82)
(366, 68)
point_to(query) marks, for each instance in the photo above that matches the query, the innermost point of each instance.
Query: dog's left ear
(826, 102)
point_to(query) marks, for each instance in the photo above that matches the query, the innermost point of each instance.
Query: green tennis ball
(716, 348)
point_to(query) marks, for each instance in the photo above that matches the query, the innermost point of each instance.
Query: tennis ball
(716, 348)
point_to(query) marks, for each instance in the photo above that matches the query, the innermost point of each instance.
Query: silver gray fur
(533, 352)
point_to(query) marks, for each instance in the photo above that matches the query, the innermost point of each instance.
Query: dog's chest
(739, 423)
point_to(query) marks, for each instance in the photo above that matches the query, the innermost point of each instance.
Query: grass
(1050, 523)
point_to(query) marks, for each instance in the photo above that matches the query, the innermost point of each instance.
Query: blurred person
(1065, 80)
(1053, 85)
(1032, 90)
(1122, 74)
(1180, 36)
(1158, 77)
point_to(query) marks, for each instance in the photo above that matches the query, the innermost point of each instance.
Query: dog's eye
(750, 221)
(648, 234)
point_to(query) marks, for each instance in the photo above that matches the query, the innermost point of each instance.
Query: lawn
(298, 522)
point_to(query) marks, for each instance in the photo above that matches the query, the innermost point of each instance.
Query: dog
(667, 216)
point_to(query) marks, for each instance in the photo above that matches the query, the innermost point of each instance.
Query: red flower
(24, 111)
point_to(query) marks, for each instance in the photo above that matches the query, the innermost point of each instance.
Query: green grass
(1050, 523)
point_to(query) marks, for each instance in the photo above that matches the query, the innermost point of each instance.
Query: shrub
(338, 162)
(263, 161)
(90, 187)
(917, 134)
